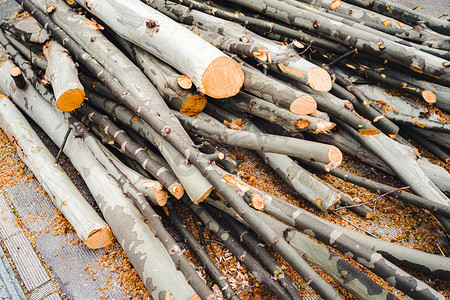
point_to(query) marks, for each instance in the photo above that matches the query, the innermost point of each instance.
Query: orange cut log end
(335, 157)
(303, 105)
(177, 190)
(70, 100)
(223, 78)
(429, 96)
(204, 196)
(319, 79)
(184, 82)
(100, 238)
(193, 105)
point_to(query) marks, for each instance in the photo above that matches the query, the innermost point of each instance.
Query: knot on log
(152, 27)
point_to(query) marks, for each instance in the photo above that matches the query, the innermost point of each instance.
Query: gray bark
(205, 126)
(144, 250)
(195, 185)
(211, 71)
(352, 37)
(89, 227)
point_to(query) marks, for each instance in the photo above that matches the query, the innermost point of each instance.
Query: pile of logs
(144, 96)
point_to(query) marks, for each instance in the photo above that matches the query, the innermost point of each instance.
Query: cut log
(96, 44)
(63, 75)
(328, 261)
(277, 93)
(353, 37)
(158, 171)
(167, 81)
(205, 126)
(291, 122)
(404, 14)
(195, 185)
(89, 227)
(145, 252)
(211, 71)
(201, 254)
(297, 67)
(202, 162)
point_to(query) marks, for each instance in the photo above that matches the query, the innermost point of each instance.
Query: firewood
(63, 75)
(213, 73)
(91, 229)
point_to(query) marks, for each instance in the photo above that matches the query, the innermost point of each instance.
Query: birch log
(211, 71)
(90, 228)
(88, 34)
(63, 75)
(145, 252)
(195, 185)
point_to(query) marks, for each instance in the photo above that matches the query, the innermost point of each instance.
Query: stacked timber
(150, 105)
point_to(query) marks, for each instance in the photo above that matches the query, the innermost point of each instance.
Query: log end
(429, 96)
(100, 238)
(177, 190)
(223, 78)
(303, 105)
(302, 123)
(319, 79)
(204, 196)
(193, 105)
(184, 82)
(161, 197)
(335, 157)
(323, 126)
(70, 100)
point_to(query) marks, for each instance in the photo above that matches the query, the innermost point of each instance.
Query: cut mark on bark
(193, 105)
(294, 72)
(335, 5)
(184, 82)
(261, 53)
(258, 202)
(205, 195)
(93, 25)
(223, 78)
(151, 27)
(369, 131)
(323, 126)
(303, 105)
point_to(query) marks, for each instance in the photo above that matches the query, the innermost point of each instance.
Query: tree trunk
(211, 71)
(349, 277)
(90, 228)
(165, 79)
(63, 75)
(145, 252)
(195, 185)
(162, 174)
(89, 36)
(352, 37)
(205, 126)
(404, 14)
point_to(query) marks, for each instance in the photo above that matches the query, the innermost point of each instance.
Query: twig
(345, 55)
(371, 201)
(62, 145)
(350, 222)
